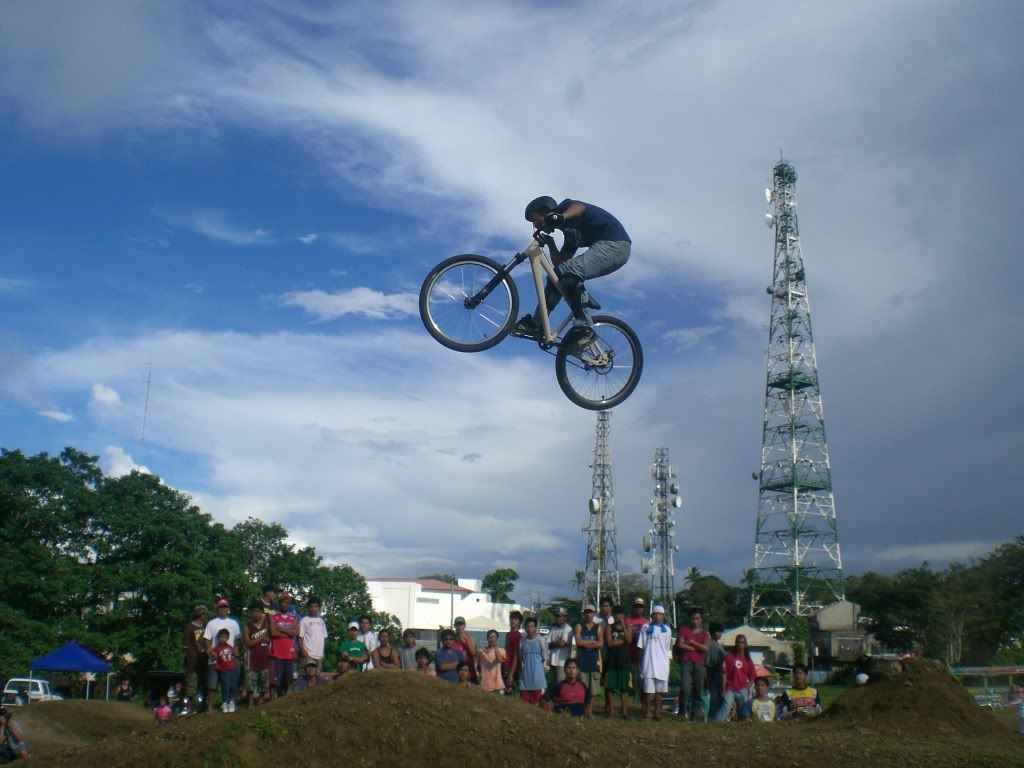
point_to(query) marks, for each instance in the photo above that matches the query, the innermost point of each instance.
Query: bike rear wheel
(607, 372)
(456, 322)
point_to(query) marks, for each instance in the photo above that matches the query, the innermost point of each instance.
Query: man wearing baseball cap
(284, 627)
(560, 643)
(589, 641)
(193, 643)
(221, 621)
(353, 649)
(655, 643)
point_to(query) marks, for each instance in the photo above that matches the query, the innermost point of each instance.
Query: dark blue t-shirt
(446, 656)
(587, 657)
(595, 224)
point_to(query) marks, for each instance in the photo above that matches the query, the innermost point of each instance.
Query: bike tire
(599, 398)
(484, 328)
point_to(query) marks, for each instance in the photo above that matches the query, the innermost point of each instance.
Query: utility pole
(601, 574)
(797, 564)
(659, 539)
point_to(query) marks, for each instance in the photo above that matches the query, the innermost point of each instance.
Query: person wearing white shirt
(312, 635)
(368, 638)
(655, 643)
(560, 644)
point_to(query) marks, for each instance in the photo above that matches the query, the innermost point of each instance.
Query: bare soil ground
(394, 718)
(57, 725)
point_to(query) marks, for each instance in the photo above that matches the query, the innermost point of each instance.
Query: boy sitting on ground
(760, 708)
(801, 700)
(570, 695)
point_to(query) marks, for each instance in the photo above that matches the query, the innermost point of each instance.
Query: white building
(426, 604)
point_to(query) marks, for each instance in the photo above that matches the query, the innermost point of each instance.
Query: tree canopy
(118, 563)
(499, 584)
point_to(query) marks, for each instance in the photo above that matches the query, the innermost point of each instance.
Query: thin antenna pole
(145, 407)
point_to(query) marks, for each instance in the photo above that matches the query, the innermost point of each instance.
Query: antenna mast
(797, 565)
(601, 576)
(659, 538)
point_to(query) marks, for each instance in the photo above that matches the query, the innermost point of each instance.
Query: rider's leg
(602, 258)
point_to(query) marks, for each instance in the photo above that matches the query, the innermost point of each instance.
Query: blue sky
(248, 196)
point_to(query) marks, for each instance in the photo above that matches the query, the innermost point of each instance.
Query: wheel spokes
(447, 310)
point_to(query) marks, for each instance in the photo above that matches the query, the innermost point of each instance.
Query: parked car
(989, 698)
(22, 690)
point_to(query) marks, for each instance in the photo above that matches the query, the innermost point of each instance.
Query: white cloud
(872, 143)
(333, 437)
(309, 238)
(104, 396)
(215, 226)
(358, 244)
(57, 415)
(117, 462)
(687, 338)
(12, 284)
(362, 302)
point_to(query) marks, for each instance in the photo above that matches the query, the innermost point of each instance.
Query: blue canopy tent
(72, 658)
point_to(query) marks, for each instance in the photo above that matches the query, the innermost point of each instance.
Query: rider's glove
(544, 238)
(554, 219)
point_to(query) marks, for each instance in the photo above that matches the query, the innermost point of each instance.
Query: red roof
(430, 585)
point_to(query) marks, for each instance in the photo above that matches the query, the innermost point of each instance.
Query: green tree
(499, 584)
(632, 586)
(447, 578)
(717, 600)
(119, 563)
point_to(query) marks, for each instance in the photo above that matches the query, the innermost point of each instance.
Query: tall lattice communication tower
(797, 565)
(659, 539)
(601, 576)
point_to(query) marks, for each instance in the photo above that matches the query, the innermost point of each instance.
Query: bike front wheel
(607, 371)
(455, 312)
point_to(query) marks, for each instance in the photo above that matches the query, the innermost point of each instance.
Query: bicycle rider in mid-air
(584, 225)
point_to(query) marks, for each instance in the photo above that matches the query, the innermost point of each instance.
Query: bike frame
(540, 266)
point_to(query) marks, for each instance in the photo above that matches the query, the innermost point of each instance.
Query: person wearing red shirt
(512, 638)
(284, 626)
(738, 677)
(691, 645)
(227, 670)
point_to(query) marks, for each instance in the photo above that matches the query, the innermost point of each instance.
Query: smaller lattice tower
(797, 565)
(659, 539)
(601, 576)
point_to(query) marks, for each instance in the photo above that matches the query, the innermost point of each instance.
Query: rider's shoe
(579, 339)
(527, 326)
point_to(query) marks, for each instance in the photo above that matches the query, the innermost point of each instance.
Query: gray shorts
(600, 259)
(591, 680)
(257, 682)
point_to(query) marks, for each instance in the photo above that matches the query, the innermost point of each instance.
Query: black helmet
(540, 205)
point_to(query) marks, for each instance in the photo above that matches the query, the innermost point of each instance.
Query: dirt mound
(54, 725)
(387, 719)
(923, 698)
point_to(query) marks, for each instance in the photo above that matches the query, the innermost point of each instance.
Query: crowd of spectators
(563, 669)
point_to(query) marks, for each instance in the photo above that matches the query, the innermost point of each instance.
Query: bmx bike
(469, 303)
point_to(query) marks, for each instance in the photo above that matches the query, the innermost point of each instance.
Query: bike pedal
(521, 335)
